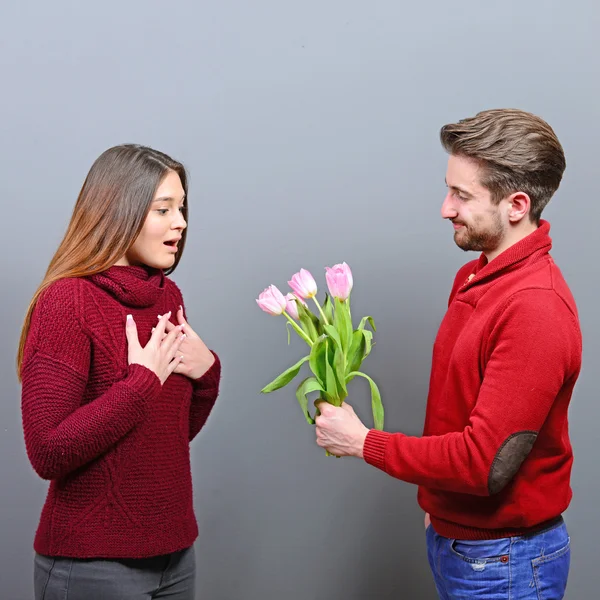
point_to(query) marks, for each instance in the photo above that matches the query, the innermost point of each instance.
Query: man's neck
(513, 235)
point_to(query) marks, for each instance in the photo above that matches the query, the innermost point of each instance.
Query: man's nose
(448, 209)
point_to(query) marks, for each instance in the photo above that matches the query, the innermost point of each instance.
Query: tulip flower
(272, 301)
(339, 281)
(336, 348)
(303, 284)
(292, 306)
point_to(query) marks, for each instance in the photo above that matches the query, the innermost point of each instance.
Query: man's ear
(519, 206)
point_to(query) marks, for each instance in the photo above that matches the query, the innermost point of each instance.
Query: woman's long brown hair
(108, 217)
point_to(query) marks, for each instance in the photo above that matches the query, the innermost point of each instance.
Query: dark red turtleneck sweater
(113, 441)
(495, 457)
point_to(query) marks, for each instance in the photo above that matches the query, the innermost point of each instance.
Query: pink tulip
(272, 301)
(339, 281)
(303, 284)
(292, 305)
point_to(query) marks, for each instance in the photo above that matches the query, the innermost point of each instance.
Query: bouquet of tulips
(336, 348)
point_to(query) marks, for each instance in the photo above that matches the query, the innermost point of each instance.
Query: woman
(115, 385)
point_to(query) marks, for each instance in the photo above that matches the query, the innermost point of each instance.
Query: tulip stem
(321, 311)
(298, 330)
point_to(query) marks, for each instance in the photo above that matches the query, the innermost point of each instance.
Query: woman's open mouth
(171, 244)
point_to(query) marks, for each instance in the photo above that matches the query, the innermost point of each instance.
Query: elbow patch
(509, 458)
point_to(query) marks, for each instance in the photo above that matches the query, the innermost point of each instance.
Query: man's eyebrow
(458, 188)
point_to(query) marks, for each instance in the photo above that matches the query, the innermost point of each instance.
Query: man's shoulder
(561, 287)
(540, 296)
(545, 281)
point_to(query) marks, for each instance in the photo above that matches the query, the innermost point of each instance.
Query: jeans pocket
(476, 569)
(551, 571)
(42, 570)
(482, 551)
(51, 577)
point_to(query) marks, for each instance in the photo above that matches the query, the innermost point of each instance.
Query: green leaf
(368, 335)
(363, 322)
(333, 333)
(310, 384)
(317, 359)
(338, 363)
(376, 405)
(331, 386)
(308, 321)
(357, 351)
(328, 308)
(339, 368)
(343, 323)
(321, 364)
(298, 330)
(285, 377)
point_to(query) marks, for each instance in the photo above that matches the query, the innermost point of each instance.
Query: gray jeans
(171, 576)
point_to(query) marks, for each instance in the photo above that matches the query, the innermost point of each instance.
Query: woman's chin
(162, 263)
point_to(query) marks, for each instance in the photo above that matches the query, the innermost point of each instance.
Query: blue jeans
(170, 576)
(533, 567)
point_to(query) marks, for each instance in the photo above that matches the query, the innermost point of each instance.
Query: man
(493, 466)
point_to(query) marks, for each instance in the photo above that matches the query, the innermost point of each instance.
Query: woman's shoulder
(58, 305)
(61, 295)
(69, 291)
(172, 289)
(56, 322)
(66, 300)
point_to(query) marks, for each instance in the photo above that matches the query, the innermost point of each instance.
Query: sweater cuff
(144, 382)
(374, 448)
(210, 379)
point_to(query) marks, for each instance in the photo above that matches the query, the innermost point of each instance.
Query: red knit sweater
(112, 440)
(495, 457)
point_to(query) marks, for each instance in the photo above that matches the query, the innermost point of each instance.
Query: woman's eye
(162, 211)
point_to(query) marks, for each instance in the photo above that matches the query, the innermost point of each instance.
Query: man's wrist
(360, 444)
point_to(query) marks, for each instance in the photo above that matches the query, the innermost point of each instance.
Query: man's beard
(480, 239)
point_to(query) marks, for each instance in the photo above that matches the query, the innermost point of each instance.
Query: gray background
(311, 133)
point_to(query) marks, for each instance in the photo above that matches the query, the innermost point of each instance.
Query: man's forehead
(463, 173)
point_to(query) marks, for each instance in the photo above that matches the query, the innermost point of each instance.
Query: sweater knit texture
(495, 457)
(111, 439)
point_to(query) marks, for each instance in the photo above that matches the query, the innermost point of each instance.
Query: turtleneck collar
(537, 242)
(135, 286)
